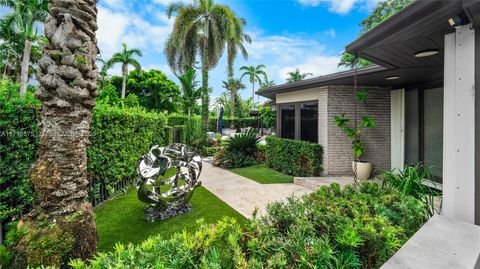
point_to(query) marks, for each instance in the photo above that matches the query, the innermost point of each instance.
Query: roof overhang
(373, 76)
(420, 26)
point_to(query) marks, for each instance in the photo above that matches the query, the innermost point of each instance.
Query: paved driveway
(243, 194)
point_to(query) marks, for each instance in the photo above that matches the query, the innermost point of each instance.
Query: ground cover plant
(262, 174)
(360, 226)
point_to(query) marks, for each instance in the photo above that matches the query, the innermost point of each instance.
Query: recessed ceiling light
(392, 77)
(426, 53)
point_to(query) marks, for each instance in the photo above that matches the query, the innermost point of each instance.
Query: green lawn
(262, 174)
(121, 220)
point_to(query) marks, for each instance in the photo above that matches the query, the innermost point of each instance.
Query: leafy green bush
(239, 151)
(210, 151)
(233, 159)
(410, 181)
(268, 117)
(293, 157)
(361, 226)
(19, 129)
(119, 137)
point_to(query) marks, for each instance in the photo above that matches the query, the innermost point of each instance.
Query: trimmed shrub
(119, 137)
(361, 226)
(293, 157)
(19, 119)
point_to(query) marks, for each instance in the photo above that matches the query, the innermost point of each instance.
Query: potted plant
(354, 131)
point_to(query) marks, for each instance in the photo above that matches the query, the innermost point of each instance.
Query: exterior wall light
(392, 77)
(426, 53)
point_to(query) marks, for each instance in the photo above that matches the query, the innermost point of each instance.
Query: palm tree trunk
(253, 91)
(61, 225)
(205, 97)
(24, 70)
(232, 107)
(124, 81)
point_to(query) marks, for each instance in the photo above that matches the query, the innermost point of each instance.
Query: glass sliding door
(309, 122)
(287, 125)
(412, 124)
(424, 129)
(299, 121)
(433, 130)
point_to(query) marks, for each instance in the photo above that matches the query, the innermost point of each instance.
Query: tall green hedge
(193, 135)
(19, 130)
(119, 137)
(294, 157)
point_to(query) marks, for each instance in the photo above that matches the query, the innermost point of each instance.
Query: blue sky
(287, 34)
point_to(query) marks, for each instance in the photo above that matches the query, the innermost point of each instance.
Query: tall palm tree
(61, 215)
(254, 74)
(232, 86)
(126, 58)
(24, 15)
(297, 76)
(190, 92)
(200, 28)
(235, 44)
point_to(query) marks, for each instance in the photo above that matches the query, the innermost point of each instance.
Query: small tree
(353, 130)
(125, 57)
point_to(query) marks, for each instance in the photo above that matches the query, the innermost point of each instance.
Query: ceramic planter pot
(364, 170)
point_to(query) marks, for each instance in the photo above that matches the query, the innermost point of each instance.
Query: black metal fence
(99, 192)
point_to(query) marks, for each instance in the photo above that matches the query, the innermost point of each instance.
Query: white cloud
(168, 2)
(283, 54)
(318, 65)
(340, 6)
(117, 26)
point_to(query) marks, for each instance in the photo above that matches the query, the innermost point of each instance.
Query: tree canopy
(153, 88)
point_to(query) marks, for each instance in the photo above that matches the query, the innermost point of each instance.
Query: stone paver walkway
(243, 194)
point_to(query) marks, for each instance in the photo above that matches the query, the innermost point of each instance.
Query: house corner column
(459, 200)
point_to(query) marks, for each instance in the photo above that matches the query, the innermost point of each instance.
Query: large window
(424, 129)
(299, 121)
(287, 121)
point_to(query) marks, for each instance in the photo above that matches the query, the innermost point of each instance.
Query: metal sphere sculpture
(168, 176)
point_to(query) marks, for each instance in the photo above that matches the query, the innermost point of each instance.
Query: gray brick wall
(338, 155)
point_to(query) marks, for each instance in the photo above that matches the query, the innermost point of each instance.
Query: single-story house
(422, 90)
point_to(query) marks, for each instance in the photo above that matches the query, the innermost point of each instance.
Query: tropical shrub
(261, 153)
(19, 119)
(239, 150)
(411, 181)
(268, 117)
(293, 157)
(361, 226)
